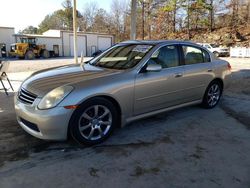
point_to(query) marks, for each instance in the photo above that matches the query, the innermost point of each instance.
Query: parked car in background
(217, 50)
(129, 81)
(98, 52)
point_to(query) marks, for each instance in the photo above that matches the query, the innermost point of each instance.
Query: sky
(22, 13)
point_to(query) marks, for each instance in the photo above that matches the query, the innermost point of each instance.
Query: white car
(216, 49)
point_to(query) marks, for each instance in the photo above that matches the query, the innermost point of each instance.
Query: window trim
(202, 49)
(205, 51)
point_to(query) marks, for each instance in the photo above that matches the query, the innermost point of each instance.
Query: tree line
(156, 19)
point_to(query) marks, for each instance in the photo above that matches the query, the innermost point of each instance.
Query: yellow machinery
(28, 49)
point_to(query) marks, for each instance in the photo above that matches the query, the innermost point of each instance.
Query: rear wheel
(94, 121)
(29, 55)
(45, 54)
(212, 95)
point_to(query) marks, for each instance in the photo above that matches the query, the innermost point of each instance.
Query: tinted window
(166, 56)
(122, 57)
(194, 55)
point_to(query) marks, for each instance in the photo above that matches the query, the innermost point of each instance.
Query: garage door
(81, 43)
(104, 43)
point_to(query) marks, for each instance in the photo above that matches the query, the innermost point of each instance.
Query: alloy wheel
(95, 122)
(213, 95)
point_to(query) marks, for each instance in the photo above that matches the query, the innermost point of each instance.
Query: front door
(157, 90)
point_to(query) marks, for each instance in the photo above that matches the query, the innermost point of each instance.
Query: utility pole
(75, 32)
(143, 4)
(211, 15)
(149, 20)
(188, 20)
(133, 20)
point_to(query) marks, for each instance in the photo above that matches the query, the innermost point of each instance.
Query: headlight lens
(54, 97)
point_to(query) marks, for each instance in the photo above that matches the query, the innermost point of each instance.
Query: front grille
(30, 125)
(26, 97)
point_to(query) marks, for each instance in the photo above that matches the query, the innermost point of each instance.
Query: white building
(61, 42)
(6, 39)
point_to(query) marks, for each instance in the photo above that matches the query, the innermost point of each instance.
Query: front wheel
(29, 55)
(94, 121)
(212, 95)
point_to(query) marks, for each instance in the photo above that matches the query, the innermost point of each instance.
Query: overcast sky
(22, 13)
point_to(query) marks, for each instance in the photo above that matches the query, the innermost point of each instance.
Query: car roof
(155, 42)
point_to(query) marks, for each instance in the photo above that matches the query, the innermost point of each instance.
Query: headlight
(54, 97)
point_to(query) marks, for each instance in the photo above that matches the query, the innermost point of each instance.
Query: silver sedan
(129, 81)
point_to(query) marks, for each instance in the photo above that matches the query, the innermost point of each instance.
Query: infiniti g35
(129, 81)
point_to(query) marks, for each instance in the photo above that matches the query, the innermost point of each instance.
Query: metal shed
(59, 41)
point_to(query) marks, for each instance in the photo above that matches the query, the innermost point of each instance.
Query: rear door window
(194, 55)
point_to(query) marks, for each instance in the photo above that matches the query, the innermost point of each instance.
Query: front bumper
(13, 54)
(52, 124)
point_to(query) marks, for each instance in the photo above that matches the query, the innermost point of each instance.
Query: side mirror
(153, 68)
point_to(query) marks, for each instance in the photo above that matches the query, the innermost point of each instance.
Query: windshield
(28, 40)
(215, 45)
(122, 57)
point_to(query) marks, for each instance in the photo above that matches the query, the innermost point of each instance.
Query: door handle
(209, 70)
(178, 75)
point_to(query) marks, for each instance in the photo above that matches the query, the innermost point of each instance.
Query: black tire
(45, 54)
(212, 95)
(216, 54)
(93, 122)
(29, 55)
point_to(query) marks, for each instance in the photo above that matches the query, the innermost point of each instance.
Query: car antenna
(82, 63)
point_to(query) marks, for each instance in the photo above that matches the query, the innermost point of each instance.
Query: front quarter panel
(120, 87)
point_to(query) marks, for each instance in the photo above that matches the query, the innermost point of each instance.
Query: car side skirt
(141, 116)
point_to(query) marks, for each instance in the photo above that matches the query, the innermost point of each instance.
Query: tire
(45, 54)
(216, 54)
(94, 121)
(212, 95)
(29, 55)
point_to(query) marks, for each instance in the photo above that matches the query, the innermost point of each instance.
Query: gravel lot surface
(188, 147)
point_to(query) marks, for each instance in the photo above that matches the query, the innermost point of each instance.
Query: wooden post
(75, 32)
(133, 20)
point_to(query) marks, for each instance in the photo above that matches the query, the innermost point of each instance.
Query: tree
(29, 30)
(118, 15)
(156, 19)
(67, 15)
(211, 14)
(60, 19)
(89, 13)
(171, 7)
(100, 22)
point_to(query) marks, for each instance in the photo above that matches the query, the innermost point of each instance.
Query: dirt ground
(188, 147)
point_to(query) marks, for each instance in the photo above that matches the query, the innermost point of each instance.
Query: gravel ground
(188, 147)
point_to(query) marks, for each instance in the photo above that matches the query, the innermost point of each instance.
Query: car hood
(42, 82)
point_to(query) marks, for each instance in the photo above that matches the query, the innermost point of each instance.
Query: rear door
(198, 71)
(157, 90)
